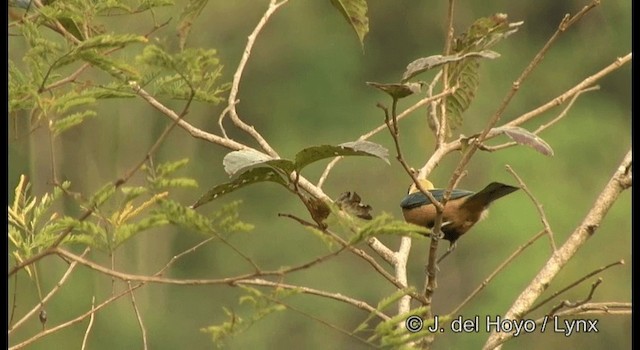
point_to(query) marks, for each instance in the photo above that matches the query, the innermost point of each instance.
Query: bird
(463, 209)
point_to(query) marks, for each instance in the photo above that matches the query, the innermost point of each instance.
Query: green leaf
(103, 194)
(227, 219)
(261, 305)
(62, 125)
(107, 41)
(386, 225)
(239, 161)
(397, 91)
(250, 176)
(355, 148)
(192, 73)
(168, 168)
(355, 12)
(425, 63)
(182, 216)
(394, 337)
(115, 67)
(526, 138)
(126, 231)
(485, 32)
(463, 74)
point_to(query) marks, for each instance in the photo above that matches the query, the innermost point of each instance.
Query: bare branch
(383, 126)
(586, 83)
(73, 321)
(543, 216)
(335, 296)
(544, 126)
(570, 305)
(135, 309)
(193, 131)
(587, 276)
(49, 295)
(493, 274)
(233, 114)
(400, 266)
(610, 308)
(559, 259)
(85, 338)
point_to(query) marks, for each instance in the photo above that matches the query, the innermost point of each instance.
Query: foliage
(261, 305)
(76, 63)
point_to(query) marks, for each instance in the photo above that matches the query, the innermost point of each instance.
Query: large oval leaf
(425, 63)
(355, 12)
(249, 177)
(238, 161)
(527, 138)
(356, 148)
(397, 91)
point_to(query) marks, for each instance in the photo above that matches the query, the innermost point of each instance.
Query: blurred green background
(305, 85)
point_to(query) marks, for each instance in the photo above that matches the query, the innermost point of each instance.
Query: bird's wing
(418, 199)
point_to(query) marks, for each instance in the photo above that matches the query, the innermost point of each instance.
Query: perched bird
(462, 210)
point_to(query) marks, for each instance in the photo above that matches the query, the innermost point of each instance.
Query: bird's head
(426, 184)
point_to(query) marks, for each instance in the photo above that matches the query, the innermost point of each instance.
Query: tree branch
(620, 181)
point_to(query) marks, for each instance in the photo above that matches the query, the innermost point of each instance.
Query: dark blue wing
(418, 199)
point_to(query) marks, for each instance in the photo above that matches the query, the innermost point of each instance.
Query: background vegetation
(304, 85)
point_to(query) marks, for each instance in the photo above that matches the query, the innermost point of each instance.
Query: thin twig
(223, 114)
(193, 131)
(543, 215)
(544, 126)
(335, 296)
(435, 158)
(584, 84)
(495, 272)
(609, 308)
(140, 323)
(466, 157)
(49, 295)
(570, 305)
(383, 126)
(14, 303)
(323, 322)
(188, 251)
(71, 322)
(443, 127)
(362, 254)
(233, 114)
(85, 338)
(571, 285)
(612, 190)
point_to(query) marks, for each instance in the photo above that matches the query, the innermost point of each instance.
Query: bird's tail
(489, 194)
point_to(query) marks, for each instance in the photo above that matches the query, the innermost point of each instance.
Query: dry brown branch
(620, 181)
